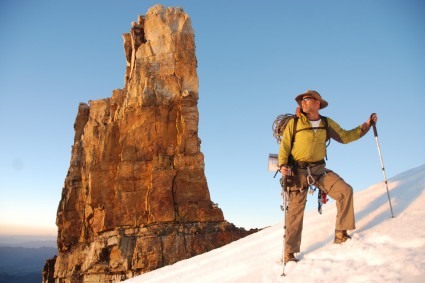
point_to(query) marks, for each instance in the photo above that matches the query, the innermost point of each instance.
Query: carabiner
(310, 178)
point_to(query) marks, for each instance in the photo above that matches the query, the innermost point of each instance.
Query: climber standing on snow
(301, 159)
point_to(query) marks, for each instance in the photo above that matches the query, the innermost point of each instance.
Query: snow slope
(382, 249)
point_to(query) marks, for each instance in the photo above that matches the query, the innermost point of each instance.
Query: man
(301, 157)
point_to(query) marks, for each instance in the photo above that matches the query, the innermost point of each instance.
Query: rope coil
(279, 124)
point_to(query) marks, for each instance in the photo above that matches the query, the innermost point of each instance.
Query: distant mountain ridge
(27, 241)
(21, 264)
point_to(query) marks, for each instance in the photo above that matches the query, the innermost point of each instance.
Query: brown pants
(334, 186)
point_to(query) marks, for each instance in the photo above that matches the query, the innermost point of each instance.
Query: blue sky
(254, 57)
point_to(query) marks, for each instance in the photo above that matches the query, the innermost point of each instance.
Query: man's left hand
(373, 119)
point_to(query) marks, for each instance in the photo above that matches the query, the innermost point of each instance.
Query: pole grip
(375, 132)
(373, 124)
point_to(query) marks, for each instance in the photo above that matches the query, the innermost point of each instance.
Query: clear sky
(254, 57)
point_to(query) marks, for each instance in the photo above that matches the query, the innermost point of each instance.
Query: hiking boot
(290, 257)
(341, 236)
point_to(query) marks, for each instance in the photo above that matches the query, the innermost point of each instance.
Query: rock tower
(136, 197)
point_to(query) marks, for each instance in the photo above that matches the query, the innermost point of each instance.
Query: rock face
(135, 197)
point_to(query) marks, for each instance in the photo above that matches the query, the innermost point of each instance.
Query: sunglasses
(307, 99)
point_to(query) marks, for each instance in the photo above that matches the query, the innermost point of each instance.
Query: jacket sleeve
(343, 136)
(286, 144)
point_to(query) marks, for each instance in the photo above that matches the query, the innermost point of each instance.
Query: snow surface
(382, 249)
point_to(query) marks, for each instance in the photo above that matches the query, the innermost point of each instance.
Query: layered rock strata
(136, 197)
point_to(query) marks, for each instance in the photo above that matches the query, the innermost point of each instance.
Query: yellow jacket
(310, 145)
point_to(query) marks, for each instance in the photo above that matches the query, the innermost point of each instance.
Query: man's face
(310, 104)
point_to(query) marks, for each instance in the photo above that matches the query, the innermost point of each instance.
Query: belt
(306, 164)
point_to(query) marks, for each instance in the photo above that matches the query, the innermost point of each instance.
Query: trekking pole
(283, 207)
(373, 124)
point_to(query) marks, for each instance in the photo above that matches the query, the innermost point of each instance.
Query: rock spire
(136, 197)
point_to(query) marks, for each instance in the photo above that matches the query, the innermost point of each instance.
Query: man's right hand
(284, 170)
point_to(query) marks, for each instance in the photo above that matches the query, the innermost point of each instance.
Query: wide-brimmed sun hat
(314, 94)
